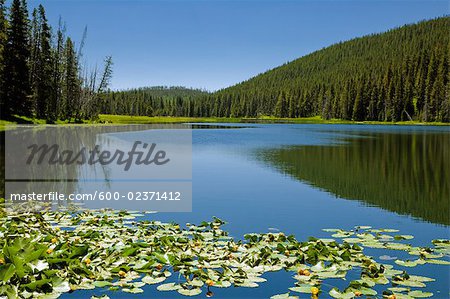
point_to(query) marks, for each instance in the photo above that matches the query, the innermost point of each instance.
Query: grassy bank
(4, 123)
(126, 119)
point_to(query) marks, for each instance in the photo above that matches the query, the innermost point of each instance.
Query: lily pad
(153, 280)
(283, 296)
(133, 290)
(302, 289)
(437, 262)
(335, 293)
(190, 292)
(171, 286)
(408, 263)
(420, 294)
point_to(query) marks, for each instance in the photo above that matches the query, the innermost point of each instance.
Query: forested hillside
(382, 77)
(401, 74)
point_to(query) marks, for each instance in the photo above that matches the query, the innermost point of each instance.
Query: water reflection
(65, 160)
(405, 173)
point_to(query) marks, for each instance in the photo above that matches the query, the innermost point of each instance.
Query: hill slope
(394, 75)
(398, 75)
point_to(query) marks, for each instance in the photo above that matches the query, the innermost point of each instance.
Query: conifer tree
(58, 70)
(3, 28)
(282, 105)
(430, 91)
(445, 108)
(34, 45)
(16, 70)
(292, 113)
(71, 83)
(358, 108)
(438, 89)
(45, 95)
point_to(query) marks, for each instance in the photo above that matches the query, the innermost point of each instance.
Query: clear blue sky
(214, 44)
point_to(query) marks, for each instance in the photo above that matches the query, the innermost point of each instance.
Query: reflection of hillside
(405, 173)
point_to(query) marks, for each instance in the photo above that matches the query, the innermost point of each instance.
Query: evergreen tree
(3, 35)
(438, 89)
(281, 108)
(358, 108)
(16, 70)
(34, 45)
(58, 70)
(43, 79)
(327, 104)
(292, 112)
(446, 103)
(71, 83)
(344, 99)
(419, 89)
(372, 109)
(430, 91)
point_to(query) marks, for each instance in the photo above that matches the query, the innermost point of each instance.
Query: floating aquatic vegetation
(49, 254)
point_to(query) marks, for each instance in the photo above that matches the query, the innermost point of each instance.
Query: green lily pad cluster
(44, 255)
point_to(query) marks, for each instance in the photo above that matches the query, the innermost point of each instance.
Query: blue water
(232, 183)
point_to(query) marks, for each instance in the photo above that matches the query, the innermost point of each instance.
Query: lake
(300, 179)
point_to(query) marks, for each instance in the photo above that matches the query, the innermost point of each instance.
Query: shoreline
(108, 119)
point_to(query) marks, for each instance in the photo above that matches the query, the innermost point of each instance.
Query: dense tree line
(153, 101)
(40, 71)
(398, 75)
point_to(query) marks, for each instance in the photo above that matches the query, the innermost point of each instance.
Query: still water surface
(300, 179)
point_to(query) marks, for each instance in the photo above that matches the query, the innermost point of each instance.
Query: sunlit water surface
(300, 179)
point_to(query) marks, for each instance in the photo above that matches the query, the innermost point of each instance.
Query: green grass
(16, 119)
(126, 119)
(4, 123)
